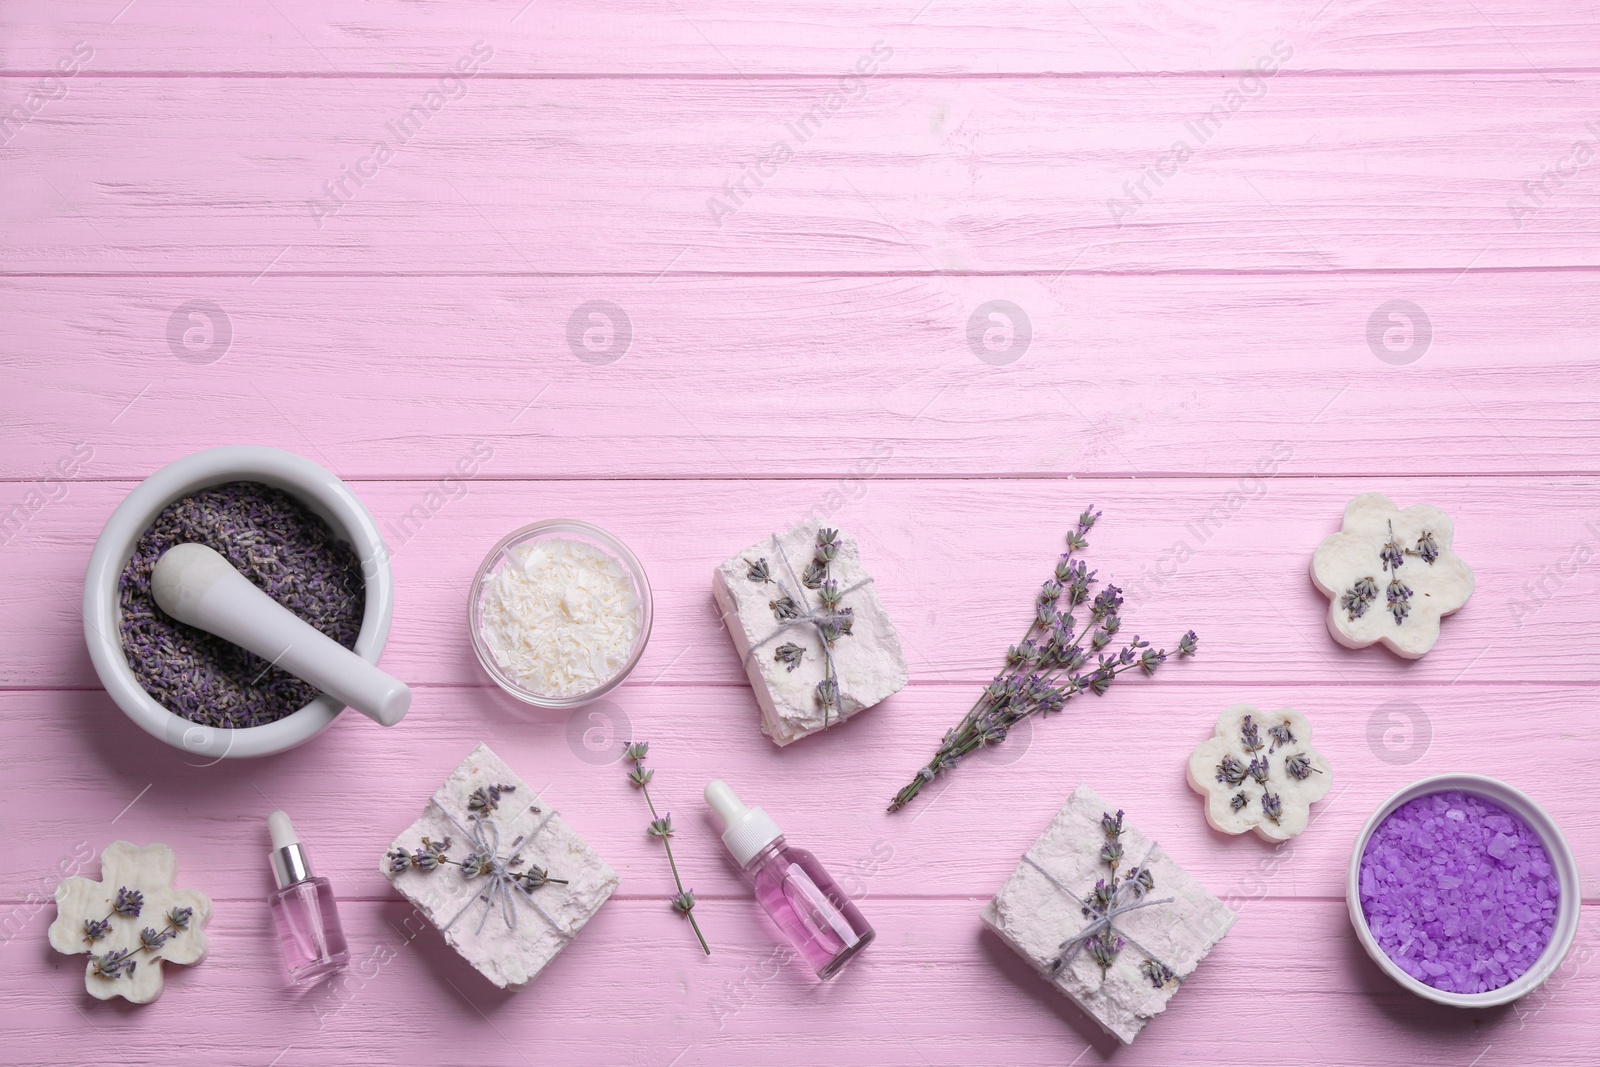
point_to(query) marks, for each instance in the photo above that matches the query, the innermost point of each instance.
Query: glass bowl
(566, 530)
(1561, 859)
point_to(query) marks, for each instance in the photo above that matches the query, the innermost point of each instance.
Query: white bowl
(320, 491)
(1566, 869)
(570, 530)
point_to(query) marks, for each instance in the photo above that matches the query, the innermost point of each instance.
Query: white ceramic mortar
(320, 491)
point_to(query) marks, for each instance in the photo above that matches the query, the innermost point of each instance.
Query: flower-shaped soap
(1391, 575)
(1260, 773)
(130, 922)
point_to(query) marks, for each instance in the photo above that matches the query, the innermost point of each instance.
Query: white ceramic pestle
(196, 585)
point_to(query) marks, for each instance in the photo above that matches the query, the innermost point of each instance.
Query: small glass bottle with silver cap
(303, 907)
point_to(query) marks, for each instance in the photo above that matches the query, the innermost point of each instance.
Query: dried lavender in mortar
(281, 546)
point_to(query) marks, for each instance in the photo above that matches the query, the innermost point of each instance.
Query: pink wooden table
(661, 265)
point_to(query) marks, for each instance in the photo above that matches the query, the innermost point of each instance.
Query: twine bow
(827, 623)
(503, 887)
(1128, 896)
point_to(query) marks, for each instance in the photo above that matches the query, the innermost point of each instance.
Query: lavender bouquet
(1052, 664)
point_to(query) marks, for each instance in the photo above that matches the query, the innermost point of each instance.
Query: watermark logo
(599, 332)
(598, 732)
(1399, 732)
(999, 332)
(1399, 332)
(199, 332)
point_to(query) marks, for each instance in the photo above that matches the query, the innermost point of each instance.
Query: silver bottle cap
(290, 865)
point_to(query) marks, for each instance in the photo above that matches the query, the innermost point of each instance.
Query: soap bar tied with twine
(1103, 905)
(503, 883)
(828, 618)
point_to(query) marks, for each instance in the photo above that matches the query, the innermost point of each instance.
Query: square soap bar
(1041, 907)
(759, 592)
(511, 932)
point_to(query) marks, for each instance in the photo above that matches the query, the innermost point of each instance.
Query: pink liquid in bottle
(823, 925)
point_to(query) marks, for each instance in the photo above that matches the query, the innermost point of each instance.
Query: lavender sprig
(661, 827)
(1060, 656)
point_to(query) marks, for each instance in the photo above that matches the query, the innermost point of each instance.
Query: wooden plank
(790, 376)
(825, 37)
(933, 988)
(251, 175)
(81, 775)
(957, 562)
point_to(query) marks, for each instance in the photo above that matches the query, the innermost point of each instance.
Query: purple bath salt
(288, 552)
(1459, 892)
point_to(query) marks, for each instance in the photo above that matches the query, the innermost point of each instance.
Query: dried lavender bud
(661, 827)
(1103, 949)
(683, 903)
(129, 902)
(1250, 735)
(1259, 770)
(536, 876)
(640, 776)
(399, 860)
(1142, 880)
(1358, 596)
(476, 866)
(486, 799)
(1049, 592)
(150, 938)
(1272, 806)
(1391, 553)
(759, 572)
(95, 929)
(1158, 974)
(828, 693)
(1239, 801)
(1099, 899)
(815, 574)
(179, 917)
(827, 544)
(1299, 766)
(114, 964)
(1281, 735)
(1230, 771)
(789, 654)
(1399, 597)
(636, 750)
(1427, 547)
(1188, 643)
(284, 549)
(431, 854)
(784, 608)
(1087, 519)
(829, 594)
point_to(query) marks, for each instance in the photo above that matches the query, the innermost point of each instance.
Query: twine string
(503, 888)
(1104, 920)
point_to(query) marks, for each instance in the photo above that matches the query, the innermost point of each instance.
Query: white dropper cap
(282, 830)
(748, 830)
(288, 857)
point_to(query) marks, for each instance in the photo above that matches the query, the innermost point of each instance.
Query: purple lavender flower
(1427, 547)
(1230, 771)
(1250, 735)
(1399, 597)
(129, 902)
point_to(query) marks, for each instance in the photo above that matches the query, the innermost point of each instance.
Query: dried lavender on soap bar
(281, 546)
